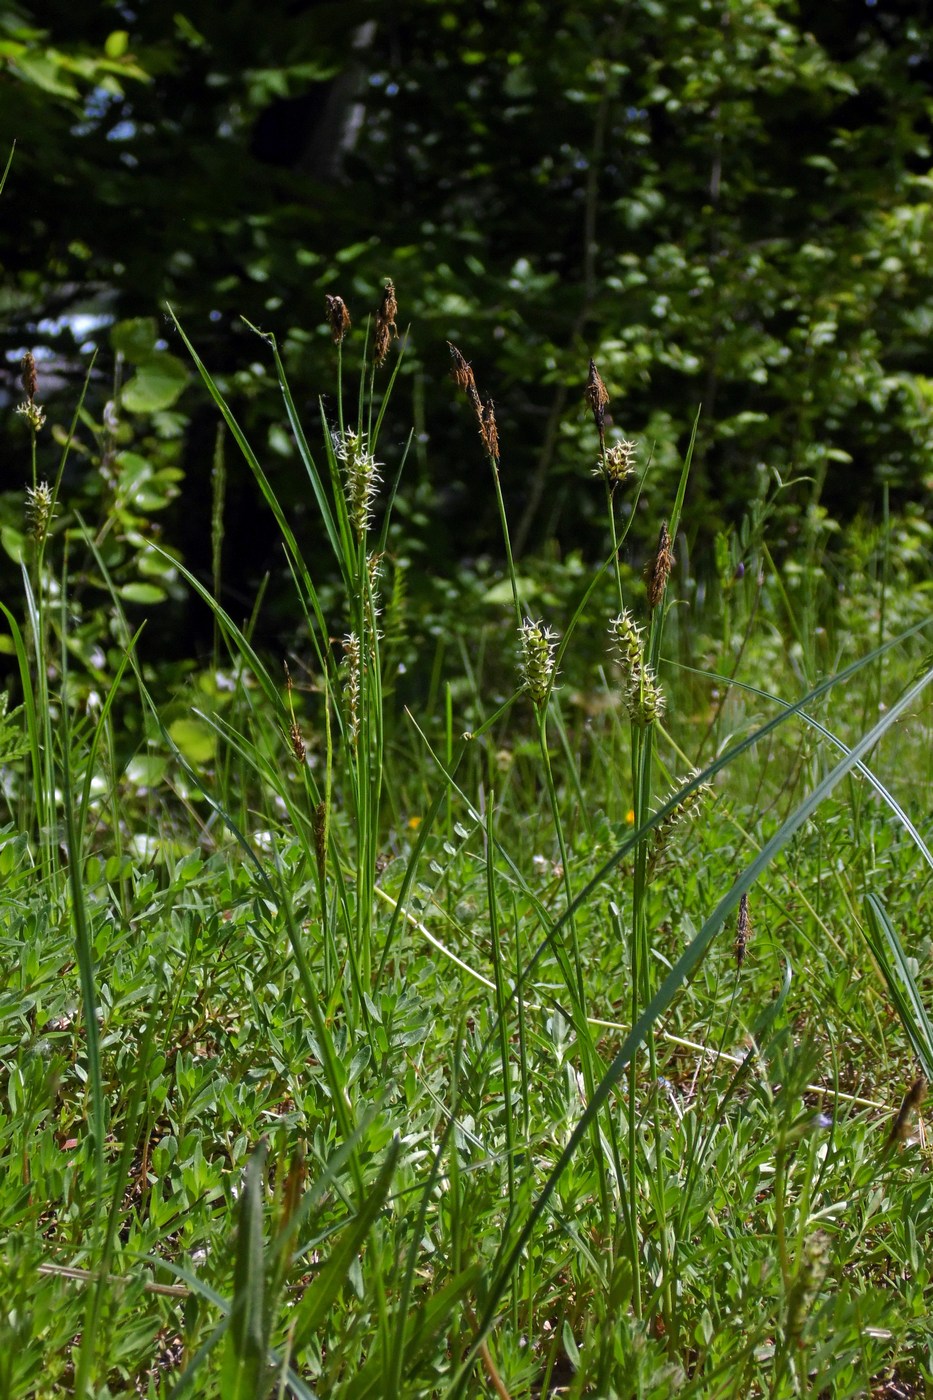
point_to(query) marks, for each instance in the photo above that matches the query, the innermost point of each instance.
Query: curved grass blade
(882, 939)
(510, 1252)
(862, 768)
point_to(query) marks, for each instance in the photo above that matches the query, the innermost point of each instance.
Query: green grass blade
(245, 1360)
(319, 1299)
(248, 453)
(882, 939)
(511, 1252)
(862, 768)
(6, 170)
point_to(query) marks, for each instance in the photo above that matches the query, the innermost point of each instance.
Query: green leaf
(196, 740)
(501, 592)
(14, 542)
(156, 384)
(142, 593)
(117, 43)
(135, 339)
(45, 73)
(146, 770)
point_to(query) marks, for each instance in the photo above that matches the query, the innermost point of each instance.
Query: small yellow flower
(414, 823)
(630, 816)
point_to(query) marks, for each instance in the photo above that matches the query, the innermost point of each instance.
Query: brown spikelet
(913, 1100)
(462, 375)
(659, 568)
(29, 379)
(488, 430)
(337, 317)
(320, 837)
(385, 323)
(743, 931)
(596, 397)
(298, 744)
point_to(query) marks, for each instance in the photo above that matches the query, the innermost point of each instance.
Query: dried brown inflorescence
(488, 430)
(385, 323)
(337, 316)
(320, 837)
(743, 931)
(298, 744)
(911, 1104)
(597, 398)
(29, 378)
(659, 568)
(462, 373)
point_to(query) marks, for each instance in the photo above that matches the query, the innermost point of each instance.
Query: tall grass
(507, 1111)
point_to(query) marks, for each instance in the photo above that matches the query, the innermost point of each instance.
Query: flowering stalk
(537, 661)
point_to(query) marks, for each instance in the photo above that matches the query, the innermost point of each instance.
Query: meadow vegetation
(522, 992)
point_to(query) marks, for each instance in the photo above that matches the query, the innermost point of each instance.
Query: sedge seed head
(361, 478)
(743, 931)
(461, 372)
(298, 744)
(617, 463)
(386, 328)
(29, 379)
(488, 431)
(677, 817)
(353, 657)
(537, 659)
(32, 413)
(595, 392)
(658, 570)
(40, 509)
(337, 317)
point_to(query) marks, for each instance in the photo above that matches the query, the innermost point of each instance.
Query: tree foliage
(727, 204)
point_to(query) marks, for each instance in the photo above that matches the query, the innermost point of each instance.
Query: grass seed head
(298, 744)
(40, 509)
(29, 378)
(337, 316)
(595, 393)
(353, 655)
(32, 413)
(361, 478)
(537, 660)
(320, 837)
(743, 931)
(461, 373)
(617, 463)
(488, 430)
(659, 568)
(596, 398)
(678, 816)
(385, 323)
(641, 694)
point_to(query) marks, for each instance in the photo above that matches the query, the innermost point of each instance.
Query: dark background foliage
(727, 204)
